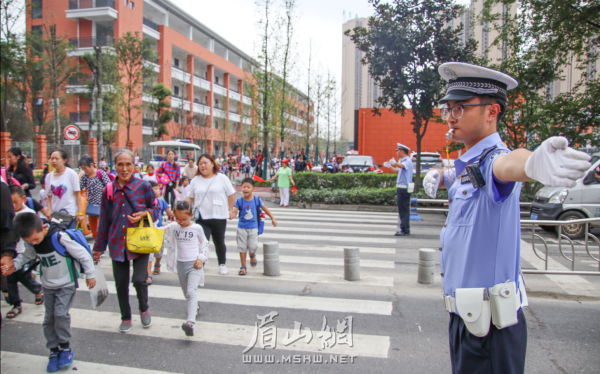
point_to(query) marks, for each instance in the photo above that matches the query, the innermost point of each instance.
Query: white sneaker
(223, 269)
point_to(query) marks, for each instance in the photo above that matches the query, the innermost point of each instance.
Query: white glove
(555, 164)
(392, 161)
(431, 183)
(386, 164)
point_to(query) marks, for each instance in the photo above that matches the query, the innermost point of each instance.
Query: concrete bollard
(351, 264)
(271, 258)
(426, 265)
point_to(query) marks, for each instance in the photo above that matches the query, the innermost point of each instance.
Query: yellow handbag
(144, 239)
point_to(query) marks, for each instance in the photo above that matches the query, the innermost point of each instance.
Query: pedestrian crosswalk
(311, 291)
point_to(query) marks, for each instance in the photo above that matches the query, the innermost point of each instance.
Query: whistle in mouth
(449, 134)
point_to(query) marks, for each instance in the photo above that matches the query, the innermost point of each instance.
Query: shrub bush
(375, 196)
(317, 181)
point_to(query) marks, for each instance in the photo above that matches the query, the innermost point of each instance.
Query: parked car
(360, 164)
(428, 160)
(564, 204)
(595, 157)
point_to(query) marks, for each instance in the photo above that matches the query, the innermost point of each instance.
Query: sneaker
(188, 328)
(65, 357)
(53, 363)
(146, 318)
(125, 326)
(223, 269)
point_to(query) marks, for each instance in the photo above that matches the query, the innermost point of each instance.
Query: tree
(285, 103)
(332, 107)
(405, 43)
(57, 69)
(541, 40)
(161, 108)
(132, 51)
(11, 51)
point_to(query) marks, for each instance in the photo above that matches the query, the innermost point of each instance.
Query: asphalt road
(397, 324)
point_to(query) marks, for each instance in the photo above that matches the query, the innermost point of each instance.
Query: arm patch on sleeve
(498, 153)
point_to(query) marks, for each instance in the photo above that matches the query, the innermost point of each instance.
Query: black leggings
(170, 194)
(217, 228)
(26, 280)
(139, 277)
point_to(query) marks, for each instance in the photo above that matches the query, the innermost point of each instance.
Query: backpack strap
(257, 210)
(109, 191)
(58, 247)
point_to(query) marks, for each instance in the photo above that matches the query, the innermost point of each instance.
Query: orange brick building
(206, 74)
(378, 135)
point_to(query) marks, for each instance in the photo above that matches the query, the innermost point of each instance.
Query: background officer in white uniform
(480, 242)
(404, 168)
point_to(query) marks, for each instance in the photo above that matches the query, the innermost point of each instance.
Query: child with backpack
(22, 275)
(58, 250)
(30, 203)
(187, 253)
(164, 208)
(249, 225)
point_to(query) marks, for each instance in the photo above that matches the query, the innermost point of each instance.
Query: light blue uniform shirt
(405, 176)
(480, 242)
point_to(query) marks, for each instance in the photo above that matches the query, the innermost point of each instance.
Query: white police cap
(402, 146)
(467, 81)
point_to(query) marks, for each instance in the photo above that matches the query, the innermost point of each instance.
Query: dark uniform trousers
(499, 352)
(403, 199)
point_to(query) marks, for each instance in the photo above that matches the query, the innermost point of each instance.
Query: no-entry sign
(71, 132)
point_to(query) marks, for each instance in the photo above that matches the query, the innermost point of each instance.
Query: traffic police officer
(480, 241)
(404, 168)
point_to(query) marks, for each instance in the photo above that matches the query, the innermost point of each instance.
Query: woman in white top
(63, 187)
(213, 197)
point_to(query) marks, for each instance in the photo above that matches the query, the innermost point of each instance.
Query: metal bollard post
(351, 264)
(271, 258)
(426, 265)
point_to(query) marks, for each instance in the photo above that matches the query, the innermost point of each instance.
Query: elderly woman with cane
(130, 201)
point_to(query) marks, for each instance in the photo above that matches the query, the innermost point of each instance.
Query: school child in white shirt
(187, 253)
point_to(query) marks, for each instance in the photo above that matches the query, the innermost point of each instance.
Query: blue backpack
(78, 237)
(261, 223)
(30, 203)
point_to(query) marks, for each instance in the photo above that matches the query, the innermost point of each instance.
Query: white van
(563, 204)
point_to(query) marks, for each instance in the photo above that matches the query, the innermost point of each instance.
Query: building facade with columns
(207, 74)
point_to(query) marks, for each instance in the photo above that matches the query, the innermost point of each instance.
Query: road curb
(349, 207)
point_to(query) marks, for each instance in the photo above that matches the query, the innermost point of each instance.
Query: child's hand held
(198, 264)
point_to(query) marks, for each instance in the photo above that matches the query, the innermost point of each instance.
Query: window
(217, 103)
(126, 2)
(217, 80)
(131, 5)
(36, 36)
(176, 91)
(176, 117)
(176, 62)
(36, 9)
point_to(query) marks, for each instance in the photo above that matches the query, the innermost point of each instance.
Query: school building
(208, 75)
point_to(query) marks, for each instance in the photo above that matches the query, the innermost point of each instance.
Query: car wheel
(548, 228)
(574, 231)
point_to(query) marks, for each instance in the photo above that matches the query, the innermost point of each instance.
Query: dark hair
(171, 150)
(86, 160)
(63, 154)
(248, 180)
(206, 155)
(153, 184)
(21, 163)
(183, 206)
(27, 224)
(184, 178)
(487, 99)
(16, 189)
(150, 166)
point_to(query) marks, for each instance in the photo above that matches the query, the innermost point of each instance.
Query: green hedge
(316, 181)
(370, 196)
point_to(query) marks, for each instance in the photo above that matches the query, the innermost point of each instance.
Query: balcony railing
(146, 122)
(151, 24)
(92, 41)
(87, 4)
(81, 80)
